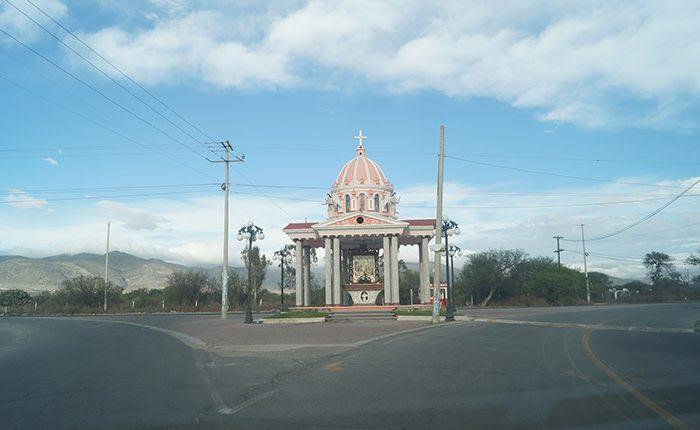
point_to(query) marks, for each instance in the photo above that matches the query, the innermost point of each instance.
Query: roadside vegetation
(511, 277)
(501, 277)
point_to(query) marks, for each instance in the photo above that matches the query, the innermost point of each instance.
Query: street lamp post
(449, 228)
(452, 251)
(283, 256)
(251, 233)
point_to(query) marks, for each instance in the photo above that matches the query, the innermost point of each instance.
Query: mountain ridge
(126, 270)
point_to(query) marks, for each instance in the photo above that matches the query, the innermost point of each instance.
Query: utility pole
(104, 306)
(585, 265)
(224, 266)
(437, 247)
(558, 251)
(225, 187)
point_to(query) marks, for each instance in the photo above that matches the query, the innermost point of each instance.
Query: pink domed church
(362, 238)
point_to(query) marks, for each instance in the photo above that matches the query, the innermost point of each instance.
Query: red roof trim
(420, 222)
(299, 225)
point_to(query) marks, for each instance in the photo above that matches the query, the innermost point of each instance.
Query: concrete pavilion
(362, 237)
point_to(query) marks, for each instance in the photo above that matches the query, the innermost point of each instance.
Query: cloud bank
(596, 64)
(489, 217)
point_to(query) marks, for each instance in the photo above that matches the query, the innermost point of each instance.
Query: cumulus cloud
(598, 63)
(52, 161)
(132, 218)
(22, 200)
(14, 22)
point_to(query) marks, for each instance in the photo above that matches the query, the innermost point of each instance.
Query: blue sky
(543, 86)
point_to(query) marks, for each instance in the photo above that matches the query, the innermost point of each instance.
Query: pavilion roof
(308, 225)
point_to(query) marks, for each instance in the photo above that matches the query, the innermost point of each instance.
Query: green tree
(556, 286)
(408, 280)
(13, 298)
(257, 264)
(659, 265)
(695, 282)
(636, 287)
(693, 260)
(488, 271)
(144, 298)
(185, 287)
(599, 283)
(87, 291)
(236, 288)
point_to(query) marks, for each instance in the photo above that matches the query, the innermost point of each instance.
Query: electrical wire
(121, 72)
(94, 66)
(107, 188)
(560, 175)
(103, 126)
(10, 201)
(640, 221)
(573, 205)
(106, 97)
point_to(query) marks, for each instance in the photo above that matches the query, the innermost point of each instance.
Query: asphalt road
(99, 374)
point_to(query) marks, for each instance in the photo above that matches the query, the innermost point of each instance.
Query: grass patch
(300, 314)
(418, 312)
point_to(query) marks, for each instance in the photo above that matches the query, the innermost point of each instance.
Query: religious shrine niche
(365, 286)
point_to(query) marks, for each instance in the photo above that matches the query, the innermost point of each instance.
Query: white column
(307, 276)
(329, 272)
(298, 269)
(345, 263)
(337, 289)
(424, 290)
(386, 246)
(395, 269)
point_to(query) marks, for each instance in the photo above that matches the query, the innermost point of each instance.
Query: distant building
(361, 237)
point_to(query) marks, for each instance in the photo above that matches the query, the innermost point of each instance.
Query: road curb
(417, 318)
(188, 340)
(293, 320)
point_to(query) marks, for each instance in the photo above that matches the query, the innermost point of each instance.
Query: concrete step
(361, 316)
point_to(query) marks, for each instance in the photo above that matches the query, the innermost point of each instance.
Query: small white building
(361, 238)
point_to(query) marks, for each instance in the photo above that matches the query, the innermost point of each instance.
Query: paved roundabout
(120, 372)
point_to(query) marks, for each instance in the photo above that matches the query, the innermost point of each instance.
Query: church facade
(361, 237)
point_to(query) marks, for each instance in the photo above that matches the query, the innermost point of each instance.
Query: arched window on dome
(376, 202)
(347, 203)
(363, 200)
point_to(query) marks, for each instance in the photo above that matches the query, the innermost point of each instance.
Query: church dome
(361, 186)
(361, 171)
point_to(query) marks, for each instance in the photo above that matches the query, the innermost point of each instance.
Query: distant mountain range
(126, 270)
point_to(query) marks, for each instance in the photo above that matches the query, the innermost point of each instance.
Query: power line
(107, 188)
(9, 201)
(94, 66)
(645, 218)
(560, 175)
(610, 257)
(295, 187)
(573, 205)
(592, 160)
(111, 100)
(101, 125)
(120, 71)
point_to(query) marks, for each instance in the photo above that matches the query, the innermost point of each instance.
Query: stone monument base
(364, 294)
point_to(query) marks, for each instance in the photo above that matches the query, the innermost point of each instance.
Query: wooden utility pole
(437, 247)
(558, 251)
(585, 265)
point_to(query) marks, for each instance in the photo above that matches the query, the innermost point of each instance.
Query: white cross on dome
(360, 138)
